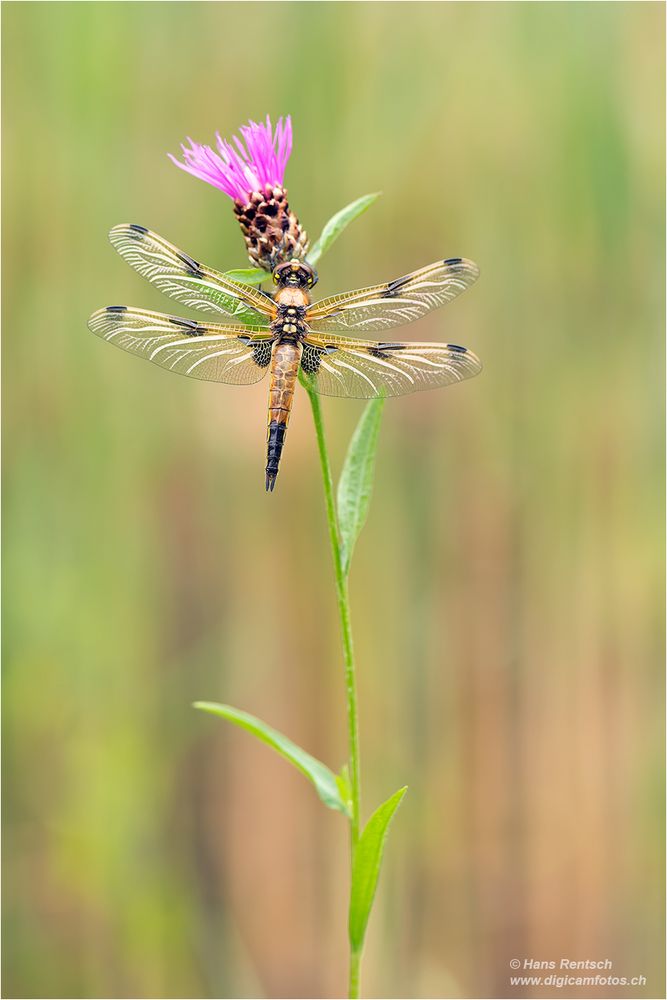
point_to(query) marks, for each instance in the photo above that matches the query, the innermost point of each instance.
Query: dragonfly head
(295, 274)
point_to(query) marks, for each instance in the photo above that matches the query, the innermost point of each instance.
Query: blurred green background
(507, 591)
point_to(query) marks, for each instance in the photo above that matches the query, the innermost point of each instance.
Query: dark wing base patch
(261, 353)
(311, 359)
(344, 366)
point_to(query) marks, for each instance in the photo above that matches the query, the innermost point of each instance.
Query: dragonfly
(285, 334)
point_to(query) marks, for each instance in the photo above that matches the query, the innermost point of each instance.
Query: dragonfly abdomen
(284, 370)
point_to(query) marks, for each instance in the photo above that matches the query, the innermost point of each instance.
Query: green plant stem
(355, 968)
(348, 654)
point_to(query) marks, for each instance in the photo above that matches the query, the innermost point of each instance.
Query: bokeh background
(507, 591)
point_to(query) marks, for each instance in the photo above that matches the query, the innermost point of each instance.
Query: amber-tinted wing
(238, 355)
(395, 302)
(176, 274)
(343, 366)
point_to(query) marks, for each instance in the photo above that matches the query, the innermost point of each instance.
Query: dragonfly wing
(238, 355)
(397, 302)
(193, 284)
(343, 366)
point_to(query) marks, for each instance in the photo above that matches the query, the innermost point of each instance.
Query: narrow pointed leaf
(356, 480)
(240, 312)
(249, 275)
(338, 222)
(323, 779)
(366, 867)
(343, 783)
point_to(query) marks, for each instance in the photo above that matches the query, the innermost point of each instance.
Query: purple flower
(258, 161)
(251, 170)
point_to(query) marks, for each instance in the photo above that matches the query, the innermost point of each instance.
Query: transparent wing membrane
(237, 355)
(182, 278)
(241, 354)
(342, 366)
(394, 303)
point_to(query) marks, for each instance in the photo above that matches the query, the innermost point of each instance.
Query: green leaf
(356, 480)
(234, 307)
(324, 780)
(248, 275)
(338, 223)
(343, 783)
(366, 867)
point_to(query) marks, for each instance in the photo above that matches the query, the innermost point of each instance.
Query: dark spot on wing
(189, 324)
(380, 350)
(455, 347)
(138, 229)
(116, 309)
(393, 286)
(451, 261)
(194, 267)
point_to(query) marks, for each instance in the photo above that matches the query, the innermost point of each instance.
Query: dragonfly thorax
(289, 322)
